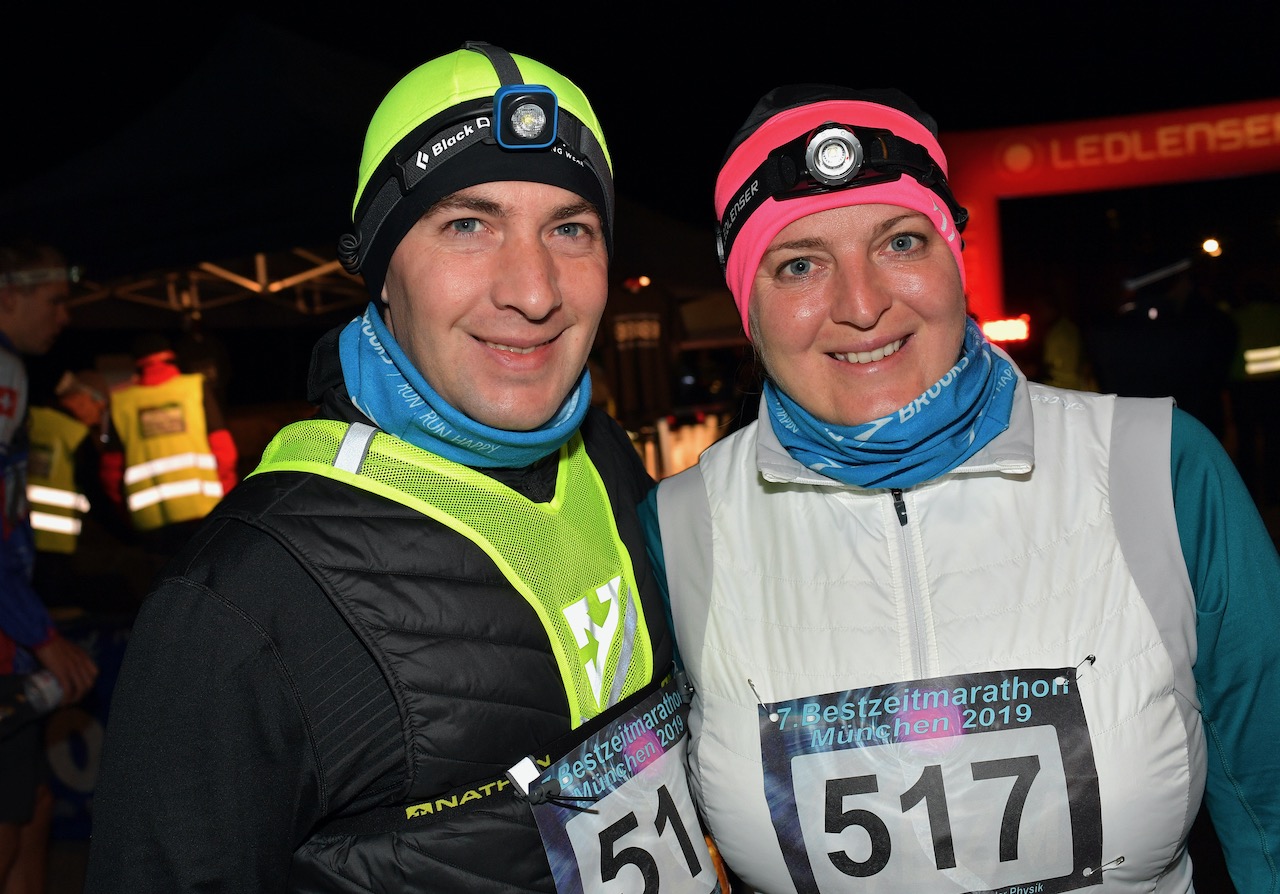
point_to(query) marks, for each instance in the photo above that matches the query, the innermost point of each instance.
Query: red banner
(1089, 156)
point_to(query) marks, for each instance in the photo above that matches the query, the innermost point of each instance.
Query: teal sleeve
(1235, 573)
(648, 510)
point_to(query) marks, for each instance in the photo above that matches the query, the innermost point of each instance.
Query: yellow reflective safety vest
(57, 503)
(170, 473)
(565, 557)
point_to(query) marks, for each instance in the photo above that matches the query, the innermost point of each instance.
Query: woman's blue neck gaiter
(386, 387)
(933, 434)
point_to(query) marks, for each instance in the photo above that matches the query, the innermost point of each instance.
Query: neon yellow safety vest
(565, 557)
(57, 504)
(170, 473)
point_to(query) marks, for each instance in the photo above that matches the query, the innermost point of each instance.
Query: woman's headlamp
(832, 157)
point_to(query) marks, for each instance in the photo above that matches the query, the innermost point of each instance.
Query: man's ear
(384, 311)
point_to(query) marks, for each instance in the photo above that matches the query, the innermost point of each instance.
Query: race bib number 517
(984, 780)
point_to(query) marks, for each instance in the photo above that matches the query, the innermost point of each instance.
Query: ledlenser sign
(1090, 156)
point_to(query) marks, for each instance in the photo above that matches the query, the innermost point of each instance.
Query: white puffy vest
(786, 585)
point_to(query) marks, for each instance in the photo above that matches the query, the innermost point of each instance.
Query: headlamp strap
(443, 145)
(763, 183)
(884, 154)
(503, 64)
(898, 155)
(403, 174)
(39, 276)
(888, 152)
(576, 136)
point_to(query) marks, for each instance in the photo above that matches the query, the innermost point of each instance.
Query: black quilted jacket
(260, 717)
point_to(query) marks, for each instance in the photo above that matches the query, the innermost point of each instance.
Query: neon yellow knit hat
(434, 133)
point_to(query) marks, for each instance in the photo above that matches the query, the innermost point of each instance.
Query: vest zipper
(914, 606)
(899, 506)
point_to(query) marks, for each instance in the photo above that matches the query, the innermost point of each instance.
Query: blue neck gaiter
(386, 387)
(952, 420)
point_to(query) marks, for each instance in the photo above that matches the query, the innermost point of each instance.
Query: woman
(949, 629)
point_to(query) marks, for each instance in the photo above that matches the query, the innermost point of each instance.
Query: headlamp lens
(528, 120)
(833, 156)
(526, 116)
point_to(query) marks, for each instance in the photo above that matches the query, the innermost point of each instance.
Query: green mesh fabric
(565, 557)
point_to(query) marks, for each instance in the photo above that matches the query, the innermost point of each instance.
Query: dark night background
(670, 83)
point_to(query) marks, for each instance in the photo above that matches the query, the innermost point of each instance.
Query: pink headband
(772, 215)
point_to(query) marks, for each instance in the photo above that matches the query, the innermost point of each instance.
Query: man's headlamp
(526, 116)
(832, 157)
(517, 117)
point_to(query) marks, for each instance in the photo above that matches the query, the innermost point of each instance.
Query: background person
(34, 287)
(437, 579)
(64, 481)
(170, 457)
(1254, 386)
(1062, 359)
(949, 629)
(1169, 337)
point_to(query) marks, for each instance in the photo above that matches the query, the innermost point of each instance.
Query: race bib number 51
(986, 781)
(621, 819)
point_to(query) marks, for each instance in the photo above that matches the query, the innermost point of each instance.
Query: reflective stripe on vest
(56, 503)
(565, 557)
(55, 512)
(57, 527)
(172, 489)
(171, 474)
(1260, 361)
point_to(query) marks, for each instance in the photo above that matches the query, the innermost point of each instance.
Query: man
(34, 287)
(419, 648)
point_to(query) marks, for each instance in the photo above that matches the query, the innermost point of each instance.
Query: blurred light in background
(1014, 329)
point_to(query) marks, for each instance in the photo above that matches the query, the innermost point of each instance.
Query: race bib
(986, 781)
(615, 813)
